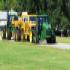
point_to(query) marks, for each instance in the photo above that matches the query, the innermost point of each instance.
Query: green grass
(63, 39)
(26, 56)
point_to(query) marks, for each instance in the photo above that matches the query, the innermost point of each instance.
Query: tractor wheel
(15, 34)
(51, 40)
(4, 33)
(22, 35)
(15, 37)
(18, 36)
(23, 38)
(28, 38)
(35, 38)
(9, 35)
(35, 35)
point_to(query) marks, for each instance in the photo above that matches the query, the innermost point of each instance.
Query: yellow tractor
(29, 23)
(23, 27)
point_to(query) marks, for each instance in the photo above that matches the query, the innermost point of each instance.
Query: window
(32, 18)
(25, 19)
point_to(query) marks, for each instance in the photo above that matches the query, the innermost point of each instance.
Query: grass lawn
(63, 39)
(26, 56)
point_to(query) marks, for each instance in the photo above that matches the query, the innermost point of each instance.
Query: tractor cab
(45, 30)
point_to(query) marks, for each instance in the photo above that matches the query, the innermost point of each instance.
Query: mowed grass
(26, 56)
(63, 40)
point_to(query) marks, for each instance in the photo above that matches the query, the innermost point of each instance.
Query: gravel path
(60, 45)
(57, 45)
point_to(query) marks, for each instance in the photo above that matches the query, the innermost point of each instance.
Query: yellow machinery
(27, 26)
(33, 28)
(23, 27)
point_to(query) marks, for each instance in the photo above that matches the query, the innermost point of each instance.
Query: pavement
(60, 45)
(56, 45)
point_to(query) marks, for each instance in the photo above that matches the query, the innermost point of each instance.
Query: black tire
(15, 33)
(28, 38)
(35, 35)
(22, 35)
(18, 34)
(35, 38)
(9, 35)
(23, 38)
(15, 37)
(51, 40)
(4, 33)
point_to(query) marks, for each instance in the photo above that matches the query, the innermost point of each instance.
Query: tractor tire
(51, 40)
(15, 34)
(28, 38)
(15, 37)
(35, 38)
(4, 33)
(22, 35)
(9, 35)
(23, 39)
(18, 38)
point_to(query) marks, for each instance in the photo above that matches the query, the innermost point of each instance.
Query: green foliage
(64, 22)
(54, 8)
(1, 5)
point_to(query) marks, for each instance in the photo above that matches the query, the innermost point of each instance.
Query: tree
(57, 10)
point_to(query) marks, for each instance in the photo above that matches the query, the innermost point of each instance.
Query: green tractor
(7, 30)
(43, 30)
